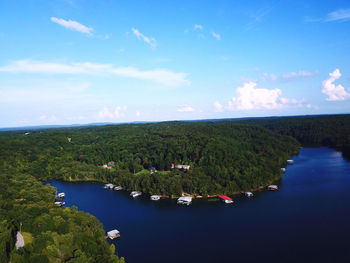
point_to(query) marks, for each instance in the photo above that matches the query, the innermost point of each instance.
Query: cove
(306, 220)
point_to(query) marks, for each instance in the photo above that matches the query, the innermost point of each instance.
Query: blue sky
(70, 61)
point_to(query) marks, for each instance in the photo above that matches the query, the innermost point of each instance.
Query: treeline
(324, 130)
(59, 234)
(225, 157)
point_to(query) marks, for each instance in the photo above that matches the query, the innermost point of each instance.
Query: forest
(225, 157)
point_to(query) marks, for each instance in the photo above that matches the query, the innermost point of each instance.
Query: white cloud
(250, 98)
(152, 42)
(185, 109)
(118, 112)
(198, 27)
(339, 15)
(269, 77)
(138, 114)
(334, 92)
(72, 25)
(215, 35)
(162, 76)
(296, 75)
(218, 106)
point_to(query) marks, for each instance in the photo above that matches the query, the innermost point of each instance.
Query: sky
(79, 62)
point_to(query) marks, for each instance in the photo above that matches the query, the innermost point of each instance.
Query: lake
(306, 220)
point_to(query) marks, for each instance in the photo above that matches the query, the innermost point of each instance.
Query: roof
(113, 232)
(224, 197)
(185, 198)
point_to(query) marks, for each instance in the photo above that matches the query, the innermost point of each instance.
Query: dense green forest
(226, 156)
(58, 234)
(311, 131)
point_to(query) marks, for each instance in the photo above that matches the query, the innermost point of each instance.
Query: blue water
(306, 220)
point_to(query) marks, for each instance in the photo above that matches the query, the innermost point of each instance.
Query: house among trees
(183, 166)
(109, 165)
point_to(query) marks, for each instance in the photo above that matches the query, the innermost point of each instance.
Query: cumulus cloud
(185, 109)
(118, 112)
(152, 42)
(334, 92)
(198, 27)
(218, 106)
(72, 25)
(250, 98)
(215, 35)
(162, 76)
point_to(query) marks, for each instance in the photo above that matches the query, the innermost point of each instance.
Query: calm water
(306, 220)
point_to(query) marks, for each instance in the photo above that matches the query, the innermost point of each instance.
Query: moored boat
(290, 161)
(272, 187)
(135, 193)
(109, 186)
(283, 169)
(61, 195)
(248, 194)
(60, 203)
(117, 188)
(155, 197)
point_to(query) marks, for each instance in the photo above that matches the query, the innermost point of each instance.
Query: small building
(225, 199)
(113, 234)
(69, 139)
(272, 187)
(183, 166)
(248, 194)
(184, 200)
(172, 165)
(110, 165)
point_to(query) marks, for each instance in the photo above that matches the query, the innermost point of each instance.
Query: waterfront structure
(225, 199)
(135, 193)
(272, 187)
(184, 200)
(248, 194)
(155, 197)
(113, 234)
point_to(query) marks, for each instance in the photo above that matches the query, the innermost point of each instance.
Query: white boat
(60, 203)
(117, 188)
(155, 197)
(113, 234)
(109, 186)
(290, 161)
(135, 193)
(272, 187)
(248, 194)
(184, 200)
(61, 195)
(283, 169)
